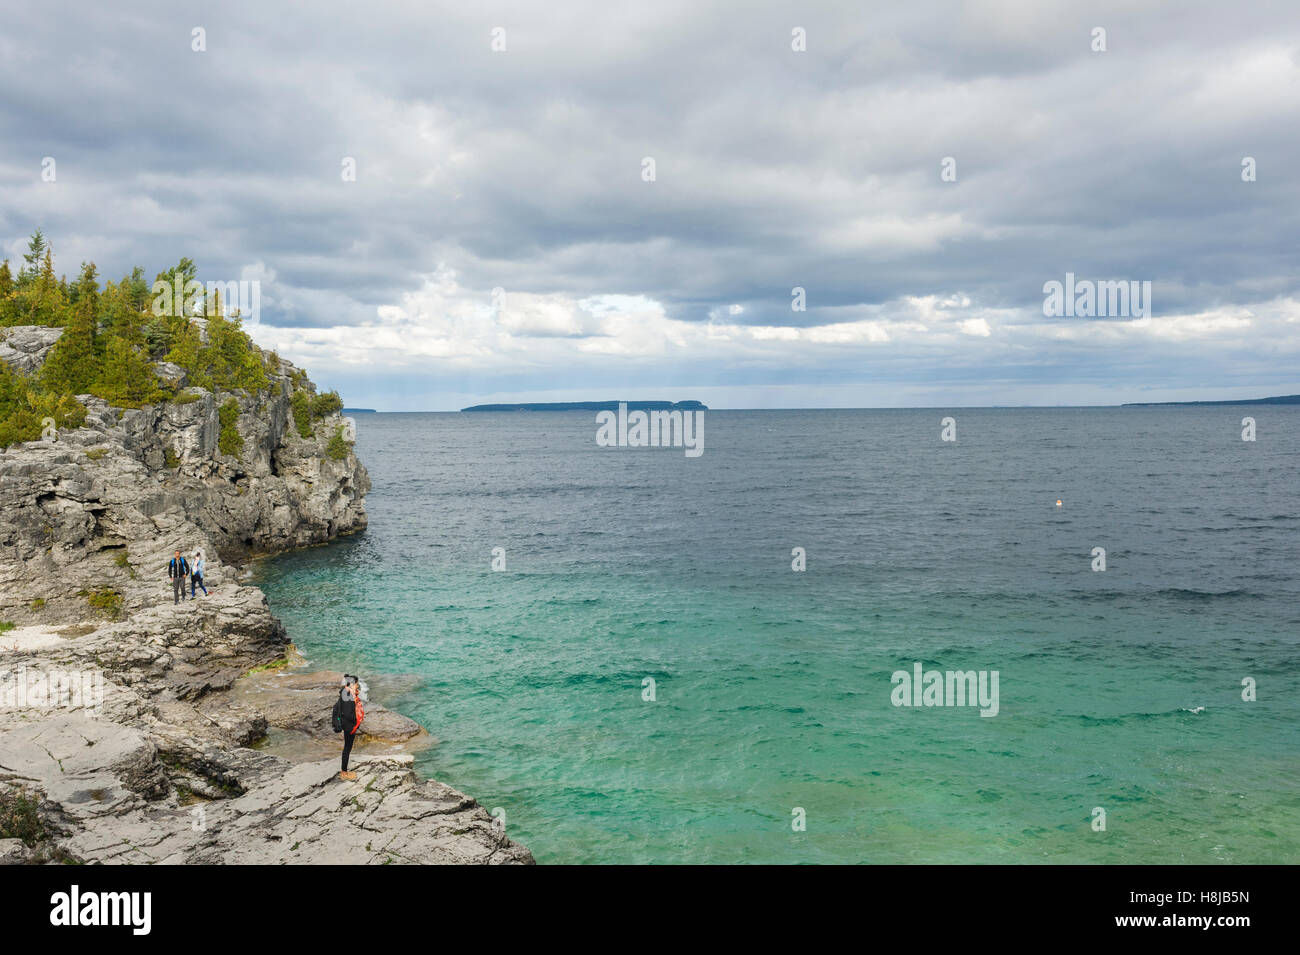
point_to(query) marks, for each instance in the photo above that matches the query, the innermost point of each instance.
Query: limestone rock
(25, 347)
(118, 708)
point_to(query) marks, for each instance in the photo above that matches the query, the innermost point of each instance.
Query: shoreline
(232, 765)
(125, 739)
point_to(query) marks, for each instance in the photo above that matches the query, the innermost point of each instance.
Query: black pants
(178, 589)
(348, 737)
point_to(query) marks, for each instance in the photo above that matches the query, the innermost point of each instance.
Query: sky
(448, 204)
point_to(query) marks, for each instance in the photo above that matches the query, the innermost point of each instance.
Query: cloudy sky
(523, 170)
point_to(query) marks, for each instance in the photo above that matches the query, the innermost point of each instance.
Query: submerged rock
(302, 701)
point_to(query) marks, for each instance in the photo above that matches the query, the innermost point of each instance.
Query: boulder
(25, 347)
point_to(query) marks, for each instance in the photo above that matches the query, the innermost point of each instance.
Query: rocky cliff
(120, 740)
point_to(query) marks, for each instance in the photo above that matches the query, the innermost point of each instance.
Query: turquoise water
(1119, 689)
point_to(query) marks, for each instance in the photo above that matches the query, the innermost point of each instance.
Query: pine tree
(126, 378)
(72, 365)
(121, 319)
(8, 308)
(136, 290)
(37, 250)
(41, 302)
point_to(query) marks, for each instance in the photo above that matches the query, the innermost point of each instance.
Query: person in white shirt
(196, 574)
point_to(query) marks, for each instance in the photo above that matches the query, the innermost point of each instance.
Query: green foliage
(228, 360)
(111, 339)
(127, 379)
(38, 604)
(170, 458)
(338, 448)
(8, 292)
(308, 408)
(325, 404)
(24, 405)
(230, 441)
(5, 626)
(122, 559)
(20, 817)
(300, 402)
(72, 365)
(96, 454)
(107, 601)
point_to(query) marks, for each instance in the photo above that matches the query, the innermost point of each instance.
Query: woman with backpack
(196, 574)
(347, 717)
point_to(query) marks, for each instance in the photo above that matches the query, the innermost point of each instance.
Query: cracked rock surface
(119, 730)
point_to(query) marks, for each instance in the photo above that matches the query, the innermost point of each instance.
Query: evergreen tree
(42, 301)
(72, 365)
(8, 307)
(36, 253)
(126, 377)
(136, 290)
(111, 339)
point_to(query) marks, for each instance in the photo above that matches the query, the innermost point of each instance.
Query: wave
(1123, 718)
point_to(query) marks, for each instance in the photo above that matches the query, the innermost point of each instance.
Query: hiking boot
(347, 775)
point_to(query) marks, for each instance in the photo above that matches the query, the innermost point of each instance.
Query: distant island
(593, 406)
(1279, 400)
(359, 411)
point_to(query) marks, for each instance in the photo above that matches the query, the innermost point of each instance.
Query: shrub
(326, 404)
(230, 441)
(5, 626)
(171, 458)
(96, 453)
(338, 448)
(19, 817)
(107, 601)
(24, 406)
(38, 604)
(301, 405)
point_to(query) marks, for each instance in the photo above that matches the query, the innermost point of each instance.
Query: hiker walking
(196, 574)
(347, 717)
(178, 570)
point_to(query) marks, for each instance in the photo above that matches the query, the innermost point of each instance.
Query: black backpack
(336, 717)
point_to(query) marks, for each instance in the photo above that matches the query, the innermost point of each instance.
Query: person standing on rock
(196, 574)
(179, 571)
(353, 714)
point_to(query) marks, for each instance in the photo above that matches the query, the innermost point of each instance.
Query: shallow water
(1119, 689)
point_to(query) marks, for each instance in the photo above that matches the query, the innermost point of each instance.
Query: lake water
(1119, 690)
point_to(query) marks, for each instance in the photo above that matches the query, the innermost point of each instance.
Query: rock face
(116, 713)
(24, 347)
(109, 798)
(105, 506)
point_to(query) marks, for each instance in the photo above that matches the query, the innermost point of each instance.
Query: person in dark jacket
(179, 572)
(353, 714)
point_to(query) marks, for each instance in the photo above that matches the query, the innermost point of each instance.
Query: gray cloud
(775, 169)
